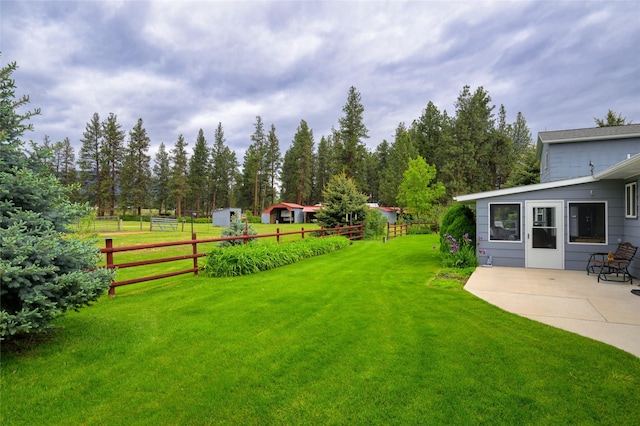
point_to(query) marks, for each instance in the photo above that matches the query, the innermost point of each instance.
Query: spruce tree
(43, 272)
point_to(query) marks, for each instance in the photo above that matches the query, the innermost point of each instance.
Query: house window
(504, 222)
(588, 223)
(631, 200)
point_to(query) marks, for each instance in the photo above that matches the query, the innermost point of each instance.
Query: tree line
(472, 150)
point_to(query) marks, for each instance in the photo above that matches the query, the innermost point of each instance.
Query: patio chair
(607, 264)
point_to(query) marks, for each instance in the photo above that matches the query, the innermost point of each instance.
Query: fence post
(195, 252)
(108, 243)
(302, 232)
(362, 231)
(278, 235)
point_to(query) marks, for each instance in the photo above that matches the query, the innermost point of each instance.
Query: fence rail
(397, 229)
(354, 232)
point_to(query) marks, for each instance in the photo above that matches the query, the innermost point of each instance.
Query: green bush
(457, 222)
(251, 258)
(375, 224)
(237, 228)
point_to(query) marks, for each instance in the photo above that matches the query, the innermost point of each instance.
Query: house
(223, 217)
(586, 202)
(283, 213)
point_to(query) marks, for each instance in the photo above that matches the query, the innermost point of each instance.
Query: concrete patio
(570, 300)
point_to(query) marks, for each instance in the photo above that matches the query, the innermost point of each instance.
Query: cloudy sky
(186, 65)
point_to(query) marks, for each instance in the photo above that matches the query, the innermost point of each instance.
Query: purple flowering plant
(460, 254)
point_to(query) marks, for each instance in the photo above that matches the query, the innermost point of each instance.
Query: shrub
(248, 259)
(375, 224)
(237, 228)
(457, 222)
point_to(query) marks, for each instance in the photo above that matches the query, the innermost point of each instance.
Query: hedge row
(251, 258)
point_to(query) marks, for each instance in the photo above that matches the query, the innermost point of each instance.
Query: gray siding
(509, 253)
(632, 235)
(570, 160)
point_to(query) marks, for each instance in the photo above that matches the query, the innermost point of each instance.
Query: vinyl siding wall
(507, 253)
(570, 160)
(632, 233)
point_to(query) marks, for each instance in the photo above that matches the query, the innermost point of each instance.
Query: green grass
(359, 336)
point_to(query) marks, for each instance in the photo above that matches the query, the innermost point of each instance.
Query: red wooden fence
(354, 232)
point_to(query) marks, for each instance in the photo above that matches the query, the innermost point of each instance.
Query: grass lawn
(360, 336)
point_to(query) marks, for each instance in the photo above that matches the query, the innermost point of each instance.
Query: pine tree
(68, 174)
(111, 160)
(90, 163)
(324, 167)
(198, 171)
(273, 164)
(179, 173)
(297, 169)
(611, 119)
(254, 176)
(135, 179)
(162, 178)
(350, 143)
(400, 152)
(223, 172)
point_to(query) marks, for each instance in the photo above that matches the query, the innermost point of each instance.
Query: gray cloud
(182, 66)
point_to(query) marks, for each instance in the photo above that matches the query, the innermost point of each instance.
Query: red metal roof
(287, 206)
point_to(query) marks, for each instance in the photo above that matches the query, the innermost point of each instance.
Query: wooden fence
(355, 232)
(397, 229)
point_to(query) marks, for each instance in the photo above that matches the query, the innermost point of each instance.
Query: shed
(223, 217)
(283, 213)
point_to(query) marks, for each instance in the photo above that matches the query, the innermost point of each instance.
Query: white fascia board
(523, 189)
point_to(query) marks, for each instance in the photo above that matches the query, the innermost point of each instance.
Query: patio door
(544, 234)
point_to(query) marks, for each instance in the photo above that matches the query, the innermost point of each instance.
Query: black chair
(617, 263)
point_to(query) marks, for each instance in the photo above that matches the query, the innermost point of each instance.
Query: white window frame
(606, 221)
(519, 204)
(631, 200)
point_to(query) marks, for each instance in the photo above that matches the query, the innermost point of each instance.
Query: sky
(182, 66)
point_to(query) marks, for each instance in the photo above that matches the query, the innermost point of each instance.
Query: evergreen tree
(68, 174)
(218, 173)
(273, 164)
(350, 141)
(111, 160)
(344, 204)
(297, 170)
(468, 150)
(254, 176)
(427, 134)
(135, 179)
(162, 178)
(223, 172)
(324, 167)
(179, 174)
(90, 163)
(400, 152)
(44, 273)
(198, 171)
(611, 119)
